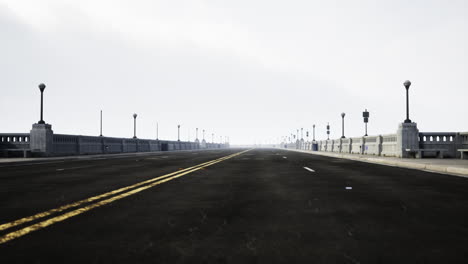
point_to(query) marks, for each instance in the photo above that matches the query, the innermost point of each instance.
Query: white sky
(250, 70)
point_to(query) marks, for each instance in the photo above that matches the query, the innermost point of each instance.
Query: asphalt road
(230, 206)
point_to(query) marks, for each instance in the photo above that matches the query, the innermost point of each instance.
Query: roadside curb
(443, 169)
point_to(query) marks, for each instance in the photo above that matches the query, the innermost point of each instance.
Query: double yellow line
(96, 201)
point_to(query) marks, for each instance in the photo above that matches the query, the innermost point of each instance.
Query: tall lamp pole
(328, 131)
(302, 133)
(407, 85)
(314, 132)
(42, 88)
(101, 125)
(196, 134)
(178, 132)
(203, 134)
(365, 114)
(157, 131)
(134, 125)
(212, 137)
(342, 125)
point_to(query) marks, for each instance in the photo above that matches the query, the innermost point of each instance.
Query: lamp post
(101, 125)
(203, 134)
(196, 134)
(314, 132)
(212, 137)
(157, 131)
(342, 125)
(302, 133)
(407, 85)
(42, 88)
(297, 134)
(365, 114)
(328, 131)
(178, 132)
(134, 125)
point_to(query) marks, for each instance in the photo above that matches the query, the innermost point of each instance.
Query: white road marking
(309, 169)
(285, 157)
(349, 188)
(74, 168)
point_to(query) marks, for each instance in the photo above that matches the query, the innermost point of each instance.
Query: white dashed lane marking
(309, 169)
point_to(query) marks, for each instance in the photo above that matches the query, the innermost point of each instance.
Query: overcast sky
(252, 70)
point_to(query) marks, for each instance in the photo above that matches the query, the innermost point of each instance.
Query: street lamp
(212, 137)
(407, 85)
(42, 88)
(157, 131)
(178, 132)
(314, 132)
(134, 125)
(328, 131)
(302, 133)
(203, 134)
(342, 125)
(101, 125)
(365, 114)
(196, 139)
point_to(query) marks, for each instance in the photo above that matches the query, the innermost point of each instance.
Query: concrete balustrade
(336, 145)
(372, 145)
(407, 142)
(440, 140)
(346, 145)
(389, 145)
(357, 145)
(49, 144)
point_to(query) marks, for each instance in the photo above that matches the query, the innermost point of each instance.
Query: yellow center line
(51, 221)
(88, 200)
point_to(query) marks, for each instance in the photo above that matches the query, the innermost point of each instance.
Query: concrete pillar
(379, 145)
(42, 139)
(407, 139)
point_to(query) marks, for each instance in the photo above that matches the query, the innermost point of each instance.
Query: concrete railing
(399, 144)
(357, 145)
(372, 145)
(346, 144)
(64, 145)
(14, 141)
(336, 145)
(447, 141)
(389, 145)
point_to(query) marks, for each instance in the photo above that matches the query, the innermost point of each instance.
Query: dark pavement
(262, 206)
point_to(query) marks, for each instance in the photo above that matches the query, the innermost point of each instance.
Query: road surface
(230, 206)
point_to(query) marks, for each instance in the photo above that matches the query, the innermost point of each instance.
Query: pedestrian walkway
(455, 167)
